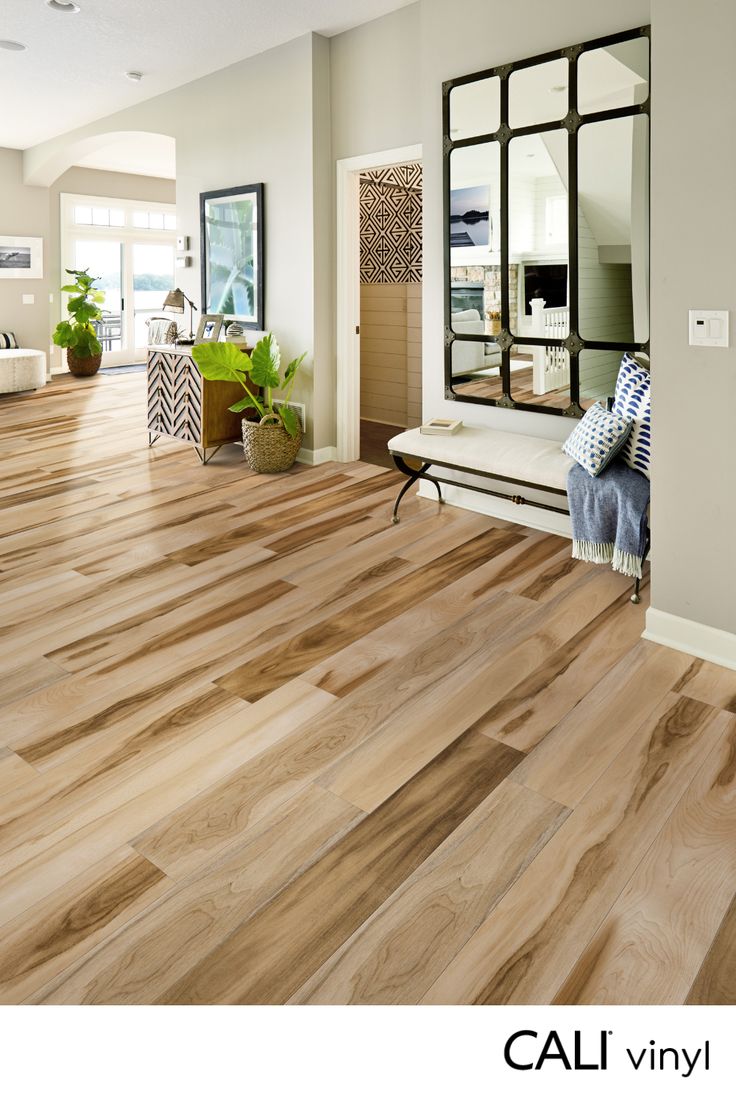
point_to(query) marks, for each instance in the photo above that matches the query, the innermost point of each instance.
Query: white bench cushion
(511, 455)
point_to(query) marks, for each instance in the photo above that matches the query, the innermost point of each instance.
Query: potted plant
(273, 438)
(77, 335)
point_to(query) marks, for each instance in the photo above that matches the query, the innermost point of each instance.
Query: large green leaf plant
(84, 304)
(221, 360)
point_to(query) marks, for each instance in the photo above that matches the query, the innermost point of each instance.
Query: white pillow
(596, 439)
(633, 401)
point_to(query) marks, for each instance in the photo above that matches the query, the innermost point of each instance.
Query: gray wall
(375, 84)
(693, 249)
(24, 212)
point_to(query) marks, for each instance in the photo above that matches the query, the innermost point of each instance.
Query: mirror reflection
(475, 108)
(541, 374)
(609, 297)
(598, 369)
(476, 368)
(538, 94)
(475, 273)
(617, 76)
(613, 229)
(538, 233)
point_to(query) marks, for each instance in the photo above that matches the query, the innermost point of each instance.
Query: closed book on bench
(441, 427)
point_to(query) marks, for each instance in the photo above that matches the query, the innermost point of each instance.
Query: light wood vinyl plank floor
(260, 745)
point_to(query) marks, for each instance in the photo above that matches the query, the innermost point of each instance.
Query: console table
(184, 405)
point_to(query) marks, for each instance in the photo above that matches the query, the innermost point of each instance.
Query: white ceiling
(73, 70)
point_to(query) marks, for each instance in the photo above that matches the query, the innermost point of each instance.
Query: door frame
(348, 288)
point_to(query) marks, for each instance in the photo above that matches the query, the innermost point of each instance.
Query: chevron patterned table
(182, 404)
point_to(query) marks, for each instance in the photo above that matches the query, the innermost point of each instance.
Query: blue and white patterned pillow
(7, 341)
(633, 401)
(597, 438)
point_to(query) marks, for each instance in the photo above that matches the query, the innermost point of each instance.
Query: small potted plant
(77, 335)
(272, 439)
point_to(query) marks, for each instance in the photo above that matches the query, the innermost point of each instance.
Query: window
(154, 220)
(98, 216)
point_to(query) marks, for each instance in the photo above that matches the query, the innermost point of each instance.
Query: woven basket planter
(268, 447)
(83, 366)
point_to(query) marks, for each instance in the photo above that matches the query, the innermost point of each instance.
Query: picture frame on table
(209, 328)
(233, 254)
(21, 258)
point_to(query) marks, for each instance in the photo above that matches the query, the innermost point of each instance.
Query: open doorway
(379, 238)
(390, 306)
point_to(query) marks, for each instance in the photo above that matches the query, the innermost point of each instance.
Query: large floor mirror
(546, 179)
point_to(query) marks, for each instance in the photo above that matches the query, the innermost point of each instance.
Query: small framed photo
(209, 327)
(21, 258)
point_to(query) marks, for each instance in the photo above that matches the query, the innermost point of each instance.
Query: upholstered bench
(529, 462)
(507, 457)
(22, 370)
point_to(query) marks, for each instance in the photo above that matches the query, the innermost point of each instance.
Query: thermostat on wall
(709, 327)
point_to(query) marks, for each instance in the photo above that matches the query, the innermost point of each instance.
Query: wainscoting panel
(383, 342)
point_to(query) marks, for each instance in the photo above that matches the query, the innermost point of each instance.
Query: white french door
(131, 247)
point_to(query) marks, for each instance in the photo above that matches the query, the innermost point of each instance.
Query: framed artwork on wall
(21, 258)
(231, 224)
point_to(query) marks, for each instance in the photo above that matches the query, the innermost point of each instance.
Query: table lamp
(175, 302)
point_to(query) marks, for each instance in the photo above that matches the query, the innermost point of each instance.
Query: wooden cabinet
(182, 404)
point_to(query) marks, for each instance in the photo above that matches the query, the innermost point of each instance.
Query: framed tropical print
(231, 222)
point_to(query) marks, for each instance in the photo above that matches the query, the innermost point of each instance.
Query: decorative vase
(267, 445)
(83, 366)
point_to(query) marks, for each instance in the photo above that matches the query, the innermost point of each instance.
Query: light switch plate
(709, 327)
(28, 300)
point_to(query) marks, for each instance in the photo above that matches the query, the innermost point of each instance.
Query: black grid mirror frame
(574, 343)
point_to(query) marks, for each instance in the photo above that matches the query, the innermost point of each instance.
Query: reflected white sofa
(471, 357)
(22, 370)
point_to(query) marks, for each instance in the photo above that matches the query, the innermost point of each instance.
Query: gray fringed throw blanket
(609, 516)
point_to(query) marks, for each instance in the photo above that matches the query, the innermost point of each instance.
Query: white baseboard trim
(544, 520)
(703, 641)
(317, 456)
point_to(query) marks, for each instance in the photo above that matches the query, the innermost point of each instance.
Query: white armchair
(472, 357)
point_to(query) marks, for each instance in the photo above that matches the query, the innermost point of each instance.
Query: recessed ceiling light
(134, 75)
(8, 44)
(61, 6)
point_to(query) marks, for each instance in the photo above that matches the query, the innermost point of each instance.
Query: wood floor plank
(660, 928)
(14, 771)
(716, 980)
(709, 683)
(403, 947)
(538, 702)
(67, 924)
(186, 837)
(301, 653)
(519, 953)
(271, 955)
(577, 752)
(37, 865)
(165, 942)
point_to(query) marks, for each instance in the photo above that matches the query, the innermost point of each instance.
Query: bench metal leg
(636, 597)
(413, 475)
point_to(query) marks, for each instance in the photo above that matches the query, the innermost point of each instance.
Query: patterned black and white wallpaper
(391, 225)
